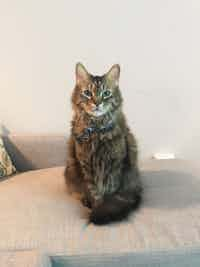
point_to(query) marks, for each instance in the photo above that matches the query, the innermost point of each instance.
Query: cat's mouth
(98, 111)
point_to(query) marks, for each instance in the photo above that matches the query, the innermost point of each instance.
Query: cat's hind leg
(118, 206)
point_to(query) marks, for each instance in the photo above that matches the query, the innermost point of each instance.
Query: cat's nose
(97, 101)
(94, 107)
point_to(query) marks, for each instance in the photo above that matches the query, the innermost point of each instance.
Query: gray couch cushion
(37, 213)
(171, 258)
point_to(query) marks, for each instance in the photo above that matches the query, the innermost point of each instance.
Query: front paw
(86, 202)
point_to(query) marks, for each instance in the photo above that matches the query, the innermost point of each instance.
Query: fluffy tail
(114, 208)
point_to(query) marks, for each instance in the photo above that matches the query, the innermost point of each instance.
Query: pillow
(6, 166)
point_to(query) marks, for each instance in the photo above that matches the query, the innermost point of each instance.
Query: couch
(41, 225)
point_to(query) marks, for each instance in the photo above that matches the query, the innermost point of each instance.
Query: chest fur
(112, 149)
(102, 159)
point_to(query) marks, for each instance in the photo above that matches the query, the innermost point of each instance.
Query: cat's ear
(81, 73)
(113, 74)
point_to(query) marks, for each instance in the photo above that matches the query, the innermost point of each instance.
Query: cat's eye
(106, 94)
(87, 93)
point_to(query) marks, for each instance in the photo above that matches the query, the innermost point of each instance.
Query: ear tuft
(114, 73)
(81, 73)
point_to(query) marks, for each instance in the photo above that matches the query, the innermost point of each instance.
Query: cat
(102, 165)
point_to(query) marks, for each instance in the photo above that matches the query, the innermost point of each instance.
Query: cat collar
(87, 132)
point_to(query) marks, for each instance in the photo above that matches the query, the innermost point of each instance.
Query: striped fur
(103, 169)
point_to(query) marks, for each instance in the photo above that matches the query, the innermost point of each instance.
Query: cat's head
(97, 95)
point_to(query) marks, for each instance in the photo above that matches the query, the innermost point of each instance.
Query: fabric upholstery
(6, 166)
(39, 219)
(38, 214)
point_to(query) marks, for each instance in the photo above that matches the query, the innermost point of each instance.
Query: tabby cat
(102, 152)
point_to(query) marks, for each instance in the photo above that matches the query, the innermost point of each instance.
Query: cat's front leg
(92, 197)
(86, 201)
(73, 174)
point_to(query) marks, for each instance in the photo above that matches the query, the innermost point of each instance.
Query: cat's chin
(97, 114)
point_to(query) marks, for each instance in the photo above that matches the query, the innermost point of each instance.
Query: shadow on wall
(166, 189)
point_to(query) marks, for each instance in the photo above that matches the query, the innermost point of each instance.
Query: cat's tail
(114, 208)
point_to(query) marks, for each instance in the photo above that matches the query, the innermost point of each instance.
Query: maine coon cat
(102, 152)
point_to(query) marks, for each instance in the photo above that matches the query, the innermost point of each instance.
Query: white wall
(156, 42)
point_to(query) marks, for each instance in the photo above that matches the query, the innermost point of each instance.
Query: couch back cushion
(30, 152)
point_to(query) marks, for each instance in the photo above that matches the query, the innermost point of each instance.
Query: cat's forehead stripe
(97, 82)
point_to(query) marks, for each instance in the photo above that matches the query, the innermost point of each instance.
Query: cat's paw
(86, 202)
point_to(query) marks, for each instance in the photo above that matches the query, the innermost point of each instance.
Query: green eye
(87, 93)
(106, 94)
